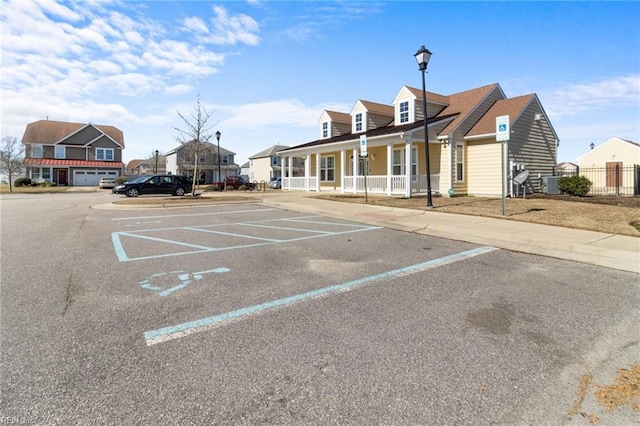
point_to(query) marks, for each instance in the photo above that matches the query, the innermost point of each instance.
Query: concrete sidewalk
(595, 248)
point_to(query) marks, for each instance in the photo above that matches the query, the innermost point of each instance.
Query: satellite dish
(521, 178)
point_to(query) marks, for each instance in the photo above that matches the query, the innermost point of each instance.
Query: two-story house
(72, 153)
(181, 161)
(267, 165)
(463, 153)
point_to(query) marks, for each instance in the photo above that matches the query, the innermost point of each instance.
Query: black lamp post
(422, 56)
(218, 134)
(156, 172)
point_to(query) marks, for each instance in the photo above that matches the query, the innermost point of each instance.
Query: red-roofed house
(464, 157)
(72, 153)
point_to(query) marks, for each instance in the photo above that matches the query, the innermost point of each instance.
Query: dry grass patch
(613, 219)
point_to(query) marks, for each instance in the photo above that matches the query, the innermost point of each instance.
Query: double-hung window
(459, 162)
(359, 122)
(325, 130)
(36, 151)
(399, 161)
(104, 154)
(404, 112)
(327, 169)
(60, 152)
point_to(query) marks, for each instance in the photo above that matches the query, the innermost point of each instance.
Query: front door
(62, 177)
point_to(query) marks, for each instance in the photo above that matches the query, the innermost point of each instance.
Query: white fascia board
(485, 136)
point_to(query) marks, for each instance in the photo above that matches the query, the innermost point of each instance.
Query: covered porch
(395, 165)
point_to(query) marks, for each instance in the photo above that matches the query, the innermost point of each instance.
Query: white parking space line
(258, 209)
(172, 241)
(181, 330)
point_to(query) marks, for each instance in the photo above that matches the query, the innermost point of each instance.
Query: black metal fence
(613, 179)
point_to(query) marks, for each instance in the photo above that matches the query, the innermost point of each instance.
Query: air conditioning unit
(550, 185)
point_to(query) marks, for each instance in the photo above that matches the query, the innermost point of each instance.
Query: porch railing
(377, 184)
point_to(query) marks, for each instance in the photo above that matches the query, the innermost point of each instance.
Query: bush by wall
(574, 185)
(22, 181)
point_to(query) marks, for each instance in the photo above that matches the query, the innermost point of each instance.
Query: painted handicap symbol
(185, 279)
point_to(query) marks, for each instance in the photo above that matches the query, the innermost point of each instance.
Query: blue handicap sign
(502, 128)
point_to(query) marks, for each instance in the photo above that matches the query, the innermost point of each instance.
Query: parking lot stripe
(177, 331)
(195, 214)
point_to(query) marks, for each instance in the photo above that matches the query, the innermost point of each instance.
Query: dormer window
(325, 130)
(359, 122)
(404, 112)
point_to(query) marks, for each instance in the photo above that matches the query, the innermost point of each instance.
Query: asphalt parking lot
(249, 314)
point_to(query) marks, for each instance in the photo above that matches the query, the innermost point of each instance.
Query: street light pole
(156, 172)
(218, 134)
(422, 56)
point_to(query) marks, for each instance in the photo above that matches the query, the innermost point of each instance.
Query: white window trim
(37, 151)
(105, 150)
(325, 129)
(360, 115)
(401, 112)
(459, 153)
(402, 165)
(324, 169)
(63, 149)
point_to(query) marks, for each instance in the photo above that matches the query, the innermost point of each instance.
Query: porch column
(389, 167)
(307, 172)
(318, 172)
(343, 164)
(407, 166)
(289, 169)
(354, 168)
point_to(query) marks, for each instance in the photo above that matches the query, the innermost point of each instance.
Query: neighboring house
(267, 165)
(245, 169)
(613, 167)
(566, 169)
(464, 157)
(180, 161)
(138, 167)
(146, 167)
(76, 154)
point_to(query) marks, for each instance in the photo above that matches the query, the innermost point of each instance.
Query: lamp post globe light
(156, 169)
(422, 56)
(218, 134)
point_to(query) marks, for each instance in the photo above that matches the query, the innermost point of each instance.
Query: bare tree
(195, 138)
(11, 157)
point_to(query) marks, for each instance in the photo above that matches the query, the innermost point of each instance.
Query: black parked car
(156, 184)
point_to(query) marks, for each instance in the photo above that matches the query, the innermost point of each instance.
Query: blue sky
(266, 70)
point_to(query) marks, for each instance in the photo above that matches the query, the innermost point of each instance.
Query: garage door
(90, 177)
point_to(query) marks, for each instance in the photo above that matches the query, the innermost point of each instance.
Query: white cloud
(231, 29)
(195, 24)
(290, 112)
(583, 97)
